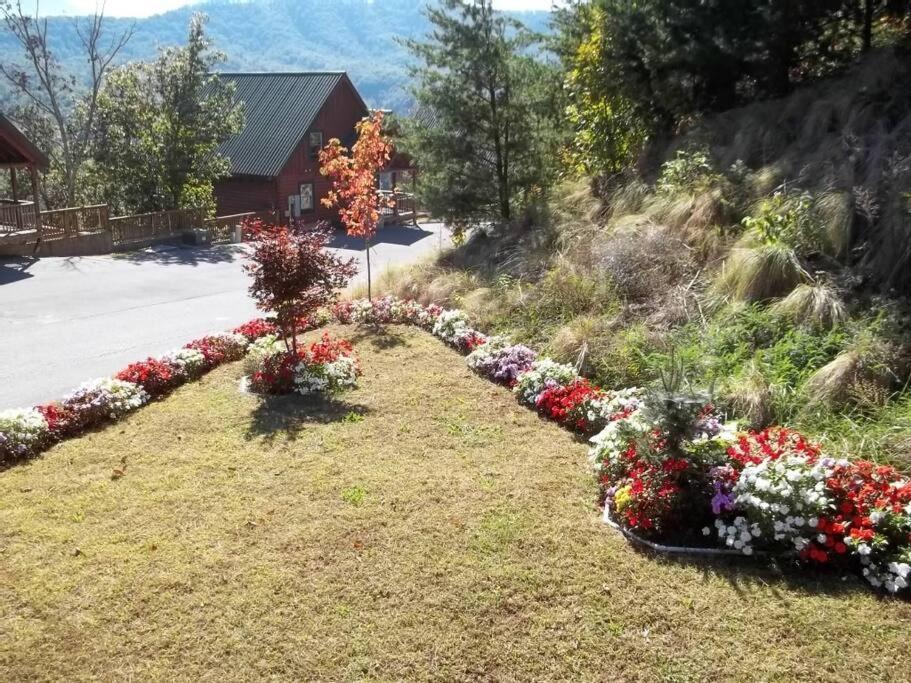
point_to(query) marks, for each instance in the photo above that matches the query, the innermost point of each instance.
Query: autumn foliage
(294, 274)
(354, 179)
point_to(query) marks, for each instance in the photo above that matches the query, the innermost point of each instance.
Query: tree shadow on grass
(747, 576)
(380, 337)
(287, 416)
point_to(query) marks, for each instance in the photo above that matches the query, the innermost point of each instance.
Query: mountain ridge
(355, 36)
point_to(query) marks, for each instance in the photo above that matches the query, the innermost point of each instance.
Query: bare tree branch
(56, 94)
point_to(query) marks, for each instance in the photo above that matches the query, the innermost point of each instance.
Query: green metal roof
(280, 109)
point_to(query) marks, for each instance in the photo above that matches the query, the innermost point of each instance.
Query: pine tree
(487, 115)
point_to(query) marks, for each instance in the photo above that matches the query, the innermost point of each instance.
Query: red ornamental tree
(294, 274)
(354, 180)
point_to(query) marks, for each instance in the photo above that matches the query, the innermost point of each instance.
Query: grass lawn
(424, 526)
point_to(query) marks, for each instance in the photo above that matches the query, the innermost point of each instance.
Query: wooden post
(414, 194)
(14, 185)
(37, 195)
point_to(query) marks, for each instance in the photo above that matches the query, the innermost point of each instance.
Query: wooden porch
(401, 209)
(20, 219)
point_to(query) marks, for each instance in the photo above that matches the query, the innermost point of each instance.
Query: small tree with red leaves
(354, 180)
(294, 274)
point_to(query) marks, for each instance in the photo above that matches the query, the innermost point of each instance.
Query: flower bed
(672, 470)
(668, 469)
(27, 432)
(328, 366)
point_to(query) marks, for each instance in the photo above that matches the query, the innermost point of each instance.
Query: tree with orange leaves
(354, 180)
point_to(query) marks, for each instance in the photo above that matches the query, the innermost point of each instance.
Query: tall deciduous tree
(486, 141)
(354, 180)
(160, 124)
(57, 102)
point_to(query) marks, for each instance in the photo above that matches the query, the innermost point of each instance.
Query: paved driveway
(66, 320)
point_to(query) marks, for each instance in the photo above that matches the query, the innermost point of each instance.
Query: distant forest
(357, 36)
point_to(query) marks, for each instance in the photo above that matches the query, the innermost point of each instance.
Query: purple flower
(721, 501)
(507, 364)
(723, 479)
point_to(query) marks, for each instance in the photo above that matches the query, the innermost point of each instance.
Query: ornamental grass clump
(815, 305)
(23, 433)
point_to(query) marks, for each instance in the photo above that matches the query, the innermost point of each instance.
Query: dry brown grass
(424, 528)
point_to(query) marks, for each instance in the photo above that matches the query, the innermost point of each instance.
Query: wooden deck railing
(403, 208)
(146, 226)
(223, 228)
(18, 219)
(16, 216)
(74, 221)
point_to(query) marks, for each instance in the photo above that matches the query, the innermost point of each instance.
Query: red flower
(256, 329)
(771, 444)
(60, 420)
(155, 376)
(569, 405)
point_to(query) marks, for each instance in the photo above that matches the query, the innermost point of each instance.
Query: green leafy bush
(688, 172)
(788, 219)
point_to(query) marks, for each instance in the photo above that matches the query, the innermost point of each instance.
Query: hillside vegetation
(761, 252)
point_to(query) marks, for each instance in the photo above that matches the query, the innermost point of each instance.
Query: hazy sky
(137, 8)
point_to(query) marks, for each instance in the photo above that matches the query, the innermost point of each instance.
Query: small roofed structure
(22, 158)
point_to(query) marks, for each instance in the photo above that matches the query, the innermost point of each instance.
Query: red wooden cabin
(290, 117)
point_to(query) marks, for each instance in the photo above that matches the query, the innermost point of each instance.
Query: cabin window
(316, 144)
(387, 181)
(306, 197)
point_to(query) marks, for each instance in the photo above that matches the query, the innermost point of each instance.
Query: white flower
(108, 395)
(544, 374)
(449, 325)
(22, 432)
(187, 362)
